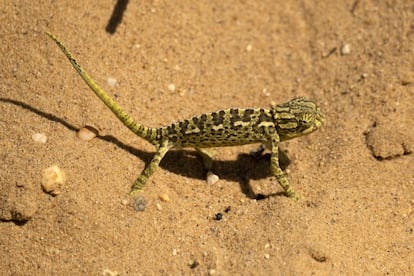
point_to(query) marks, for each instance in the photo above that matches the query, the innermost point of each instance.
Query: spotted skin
(228, 127)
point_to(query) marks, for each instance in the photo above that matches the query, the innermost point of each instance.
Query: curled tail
(149, 134)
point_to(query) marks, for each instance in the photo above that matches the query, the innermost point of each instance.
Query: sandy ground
(354, 58)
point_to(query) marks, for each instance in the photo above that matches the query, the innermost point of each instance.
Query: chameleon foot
(293, 195)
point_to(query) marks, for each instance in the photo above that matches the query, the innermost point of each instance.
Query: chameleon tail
(144, 132)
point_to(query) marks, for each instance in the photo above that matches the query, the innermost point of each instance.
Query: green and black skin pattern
(228, 127)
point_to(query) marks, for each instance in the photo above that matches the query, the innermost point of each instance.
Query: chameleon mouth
(321, 119)
(310, 129)
(315, 126)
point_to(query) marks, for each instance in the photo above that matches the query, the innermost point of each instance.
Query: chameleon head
(296, 118)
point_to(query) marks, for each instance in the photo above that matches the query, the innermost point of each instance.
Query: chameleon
(227, 127)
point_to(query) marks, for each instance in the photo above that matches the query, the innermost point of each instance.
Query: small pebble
(267, 256)
(111, 82)
(193, 264)
(164, 197)
(171, 87)
(212, 272)
(87, 133)
(346, 49)
(218, 216)
(53, 179)
(212, 178)
(139, 204)
(125, 202)
(249, 47)
(181, 93)
(159, 207)
(39, 138)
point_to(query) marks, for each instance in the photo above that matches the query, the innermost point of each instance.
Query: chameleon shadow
(242, 170)
(186, 162)
(116, 16)
(146, 156)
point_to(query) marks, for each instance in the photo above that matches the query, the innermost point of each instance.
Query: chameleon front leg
(277, 171)
(139, 184)
(284, 159)
(258, 152)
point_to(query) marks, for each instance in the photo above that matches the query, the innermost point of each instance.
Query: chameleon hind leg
(138, 186)
(207, 157)
(277, 171)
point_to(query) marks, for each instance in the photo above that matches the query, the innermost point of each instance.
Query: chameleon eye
(305, 119)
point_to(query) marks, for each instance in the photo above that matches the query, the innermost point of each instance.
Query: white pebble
(267, 256)
(249, 47)
(212, 272)
(265, 92)
(212, 178)
(111, 81)
(87, 133)
(346, 49)
(125, 202)
(39, 138)
(171, 87)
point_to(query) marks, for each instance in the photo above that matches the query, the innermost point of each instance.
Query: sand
(169, 60)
